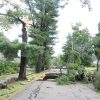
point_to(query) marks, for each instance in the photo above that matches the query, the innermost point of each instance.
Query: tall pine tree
(43, 30)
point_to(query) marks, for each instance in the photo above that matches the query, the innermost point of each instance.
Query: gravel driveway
(48, 90)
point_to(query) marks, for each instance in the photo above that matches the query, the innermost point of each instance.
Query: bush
(7, 67)
(97, 81)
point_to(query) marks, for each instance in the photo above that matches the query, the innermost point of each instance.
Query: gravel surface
(48, 90)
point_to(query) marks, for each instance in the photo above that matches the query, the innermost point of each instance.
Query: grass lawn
(90, 69)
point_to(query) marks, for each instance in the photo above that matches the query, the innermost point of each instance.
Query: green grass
(17, 86)
(8, 75)
(2, 77)
(90, 69)
(11, 90)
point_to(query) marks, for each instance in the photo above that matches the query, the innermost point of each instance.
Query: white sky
(72, 13)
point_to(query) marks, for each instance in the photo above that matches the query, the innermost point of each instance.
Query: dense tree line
(42, 14)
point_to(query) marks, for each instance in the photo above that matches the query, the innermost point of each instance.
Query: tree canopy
(78, 47)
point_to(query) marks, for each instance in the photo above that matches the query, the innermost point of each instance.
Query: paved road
(48, 90)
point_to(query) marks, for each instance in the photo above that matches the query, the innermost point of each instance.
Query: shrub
(7, 67)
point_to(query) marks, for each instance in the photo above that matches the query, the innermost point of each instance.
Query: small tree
(97, 46)
(78, 48)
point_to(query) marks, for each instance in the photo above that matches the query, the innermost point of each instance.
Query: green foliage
(71, 56)
(74, 57)
(97, 43)
(47, 62)
(11, 52)
(37, 37)
(97, 46)
(7, 67)
(71, 77)
(10, 49)
(78, 47)
(65, 80)
(11, 15)
(86, 59)
(43, 31)
(42, 14)
(14, 15)
(73, 66)
(4, 23)
(58, 61)
(7, 48)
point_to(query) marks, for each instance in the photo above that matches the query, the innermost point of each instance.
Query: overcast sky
(72, 13)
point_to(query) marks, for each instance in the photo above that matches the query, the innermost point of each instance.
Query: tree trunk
(23, 62)
(38, 64)
(97, 65)
(22, 73)
(43, 61)
(44, 57)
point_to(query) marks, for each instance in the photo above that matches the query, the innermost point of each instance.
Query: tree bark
(44, 57)
(23, 61)
(97, 65)
(22, 73)
(38, 64)
(43, 61)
